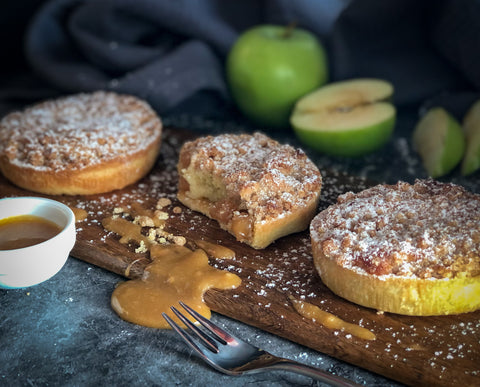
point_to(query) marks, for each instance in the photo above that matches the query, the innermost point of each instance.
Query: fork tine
(206, 340)
(186, 336)
(188, 339)
(219, 333)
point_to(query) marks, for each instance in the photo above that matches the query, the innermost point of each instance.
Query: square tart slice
(257, 189)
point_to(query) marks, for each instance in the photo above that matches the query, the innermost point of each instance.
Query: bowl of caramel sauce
(36, 237)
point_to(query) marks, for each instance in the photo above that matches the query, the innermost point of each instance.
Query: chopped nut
(142, 248)
(162, 215)
(134, 230)
(179, 240)
(118, 210)
(144, 221)
(163, 202)
(152, 234)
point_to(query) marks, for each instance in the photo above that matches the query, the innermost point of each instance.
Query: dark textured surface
(63, 332)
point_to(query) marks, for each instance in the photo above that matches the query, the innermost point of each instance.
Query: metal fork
(233, 356)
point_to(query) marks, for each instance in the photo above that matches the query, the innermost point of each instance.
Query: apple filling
(203, 185)
(210, 193)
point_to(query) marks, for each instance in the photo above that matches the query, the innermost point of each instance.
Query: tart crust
(406, 249)
(86, 143)
(257, 189)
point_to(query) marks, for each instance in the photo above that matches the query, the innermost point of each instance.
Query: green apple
(269, 67)
(347, 118)
(471, 127)
(438, 138)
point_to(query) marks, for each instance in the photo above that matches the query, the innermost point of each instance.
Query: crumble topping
(270, 179)
(77, 131)
(426, 230)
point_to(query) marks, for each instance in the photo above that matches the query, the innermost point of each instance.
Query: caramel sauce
(331, 321)
(241, 226)
(138, 211)
(80, 214)
(216, 251)
(129, 232)
(175, 274)
(21, 231)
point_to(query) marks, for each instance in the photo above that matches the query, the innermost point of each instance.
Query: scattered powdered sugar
(289, 270)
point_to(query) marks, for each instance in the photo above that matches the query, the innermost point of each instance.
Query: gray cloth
(166, 51)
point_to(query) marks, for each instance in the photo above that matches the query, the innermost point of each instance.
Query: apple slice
(439, 139)
(347, 118)
(471, 127)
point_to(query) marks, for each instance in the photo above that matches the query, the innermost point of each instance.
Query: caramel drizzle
(175, 272)
(329, 320)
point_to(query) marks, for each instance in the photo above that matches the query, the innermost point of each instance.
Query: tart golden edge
(100, 178)
(400, 295)
(262, 233)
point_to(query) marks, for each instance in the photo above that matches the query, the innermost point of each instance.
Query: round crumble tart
(85, 143)
(256, 188)
(406, 249)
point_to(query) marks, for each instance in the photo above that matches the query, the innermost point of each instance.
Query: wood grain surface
(416, 351)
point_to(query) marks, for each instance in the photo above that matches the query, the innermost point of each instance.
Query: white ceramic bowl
(34, 264)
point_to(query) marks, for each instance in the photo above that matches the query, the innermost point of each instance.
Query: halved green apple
(471, 127)
(439, 139)
(347, 118)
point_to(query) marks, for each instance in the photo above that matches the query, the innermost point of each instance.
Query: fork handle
(315, 373)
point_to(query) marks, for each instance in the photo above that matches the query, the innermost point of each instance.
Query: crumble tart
(406, 249)
(85, 143)
(256, 188)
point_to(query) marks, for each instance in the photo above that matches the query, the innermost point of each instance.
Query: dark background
(428, 49)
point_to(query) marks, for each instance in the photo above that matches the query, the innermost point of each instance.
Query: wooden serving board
(416, 351)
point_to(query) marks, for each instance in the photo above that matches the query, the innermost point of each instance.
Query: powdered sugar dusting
(270, 178)
(425, 230)
(78, 131)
